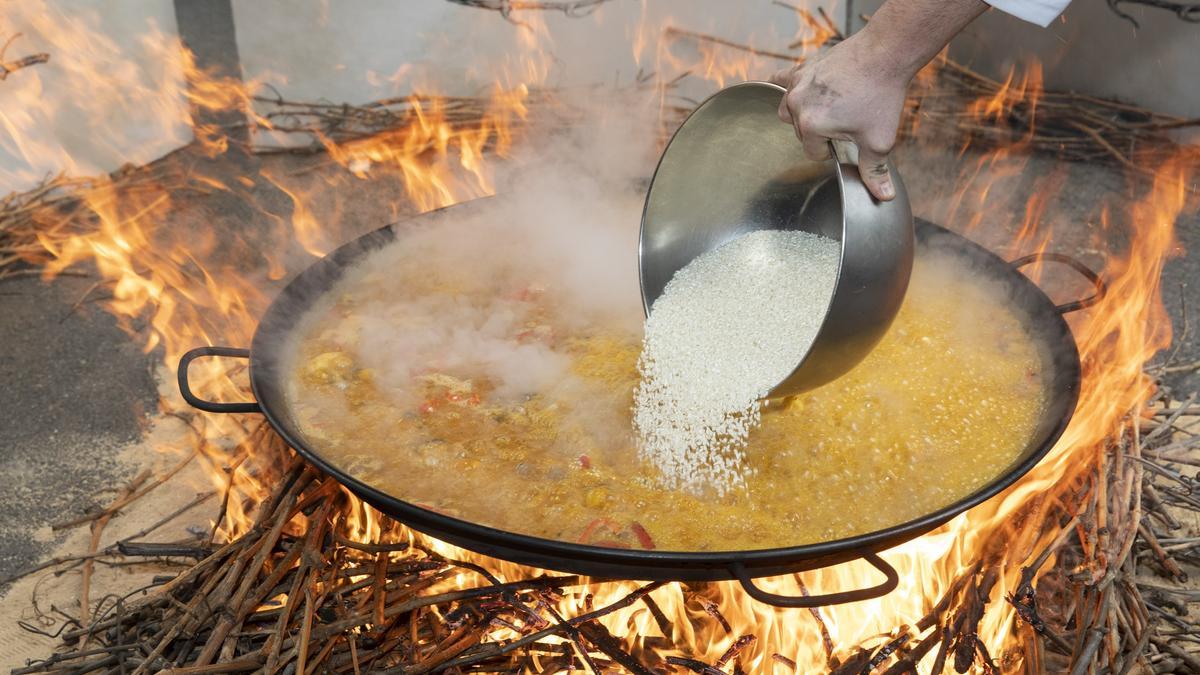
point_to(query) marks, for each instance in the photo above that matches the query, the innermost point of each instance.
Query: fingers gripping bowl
(733, 168)
(273, 373)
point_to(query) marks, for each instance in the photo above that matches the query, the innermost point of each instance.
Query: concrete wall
(80, 113)
(111, 93)
(367, 49)
(1092, 50)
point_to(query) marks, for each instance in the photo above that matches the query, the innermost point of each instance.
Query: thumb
(873, 167)
(783, 77)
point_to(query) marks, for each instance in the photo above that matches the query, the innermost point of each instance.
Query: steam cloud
(566, 218)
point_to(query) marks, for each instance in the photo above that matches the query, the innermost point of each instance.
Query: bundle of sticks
(319, 123)
(53, 208)
(304, 127)
(1015, 114)
(1009, 114)
(33, 222)
(303, 590)
(982, 111)
(299, 593)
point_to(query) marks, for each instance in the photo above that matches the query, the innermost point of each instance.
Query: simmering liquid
(481, 391)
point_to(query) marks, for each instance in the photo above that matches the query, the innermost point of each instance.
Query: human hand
(853, 92)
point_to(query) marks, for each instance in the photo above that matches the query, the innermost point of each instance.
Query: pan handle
(211, 406)
(1097, 282)
(889, 584)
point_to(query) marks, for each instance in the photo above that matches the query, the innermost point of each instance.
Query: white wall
(110, 93)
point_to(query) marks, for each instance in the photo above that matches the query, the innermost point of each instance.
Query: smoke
(567, 210)
(483, 290)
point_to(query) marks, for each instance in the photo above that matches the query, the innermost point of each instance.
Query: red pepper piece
(596, 524)
(585, 461)
(642, 535)
(473, 400)
(428, 406)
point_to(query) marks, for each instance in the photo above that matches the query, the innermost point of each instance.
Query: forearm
(907, 34)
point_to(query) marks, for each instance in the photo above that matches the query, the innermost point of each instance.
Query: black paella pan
(1042, 319)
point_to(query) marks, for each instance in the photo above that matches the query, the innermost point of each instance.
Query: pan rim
(270, 338)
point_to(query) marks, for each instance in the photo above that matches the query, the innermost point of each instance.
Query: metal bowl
(733, 168)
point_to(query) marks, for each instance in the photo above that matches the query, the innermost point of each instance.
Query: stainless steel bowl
(733, 168)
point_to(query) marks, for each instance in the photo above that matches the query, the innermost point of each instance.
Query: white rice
(728, 327)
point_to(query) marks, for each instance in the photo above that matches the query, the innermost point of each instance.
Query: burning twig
(302, 590)
(9, 67)
(735, 649)
(712, 610)
(299, 588)
(826, 638)
(695, 666)
(199, 618)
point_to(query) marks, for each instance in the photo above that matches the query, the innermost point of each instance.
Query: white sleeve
(1041, 12)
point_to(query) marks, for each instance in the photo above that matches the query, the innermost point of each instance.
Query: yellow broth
(945, 404)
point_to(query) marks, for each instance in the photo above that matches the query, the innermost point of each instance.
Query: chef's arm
(855, 90)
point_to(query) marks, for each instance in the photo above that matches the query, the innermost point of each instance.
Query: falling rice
(727, 328)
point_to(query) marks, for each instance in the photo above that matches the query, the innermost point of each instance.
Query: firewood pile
(1016, 113)
(300, 591)
(304, 589)
(1124, 528)
(982, 112)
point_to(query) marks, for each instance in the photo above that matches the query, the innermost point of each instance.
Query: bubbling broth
(474, 384)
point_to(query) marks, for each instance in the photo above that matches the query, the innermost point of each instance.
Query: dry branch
(9, 67)
(301, 592)
(364, 605)
(990, 114)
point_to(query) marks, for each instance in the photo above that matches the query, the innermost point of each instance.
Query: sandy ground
(33, 608)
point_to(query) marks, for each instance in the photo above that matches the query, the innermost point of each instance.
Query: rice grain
(727, 328)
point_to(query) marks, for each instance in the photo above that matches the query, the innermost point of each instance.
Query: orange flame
(187, 299)
(1026, 93)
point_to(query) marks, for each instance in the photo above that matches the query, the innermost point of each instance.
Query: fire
(1010, 94)
(140, 83)
(189, 290)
